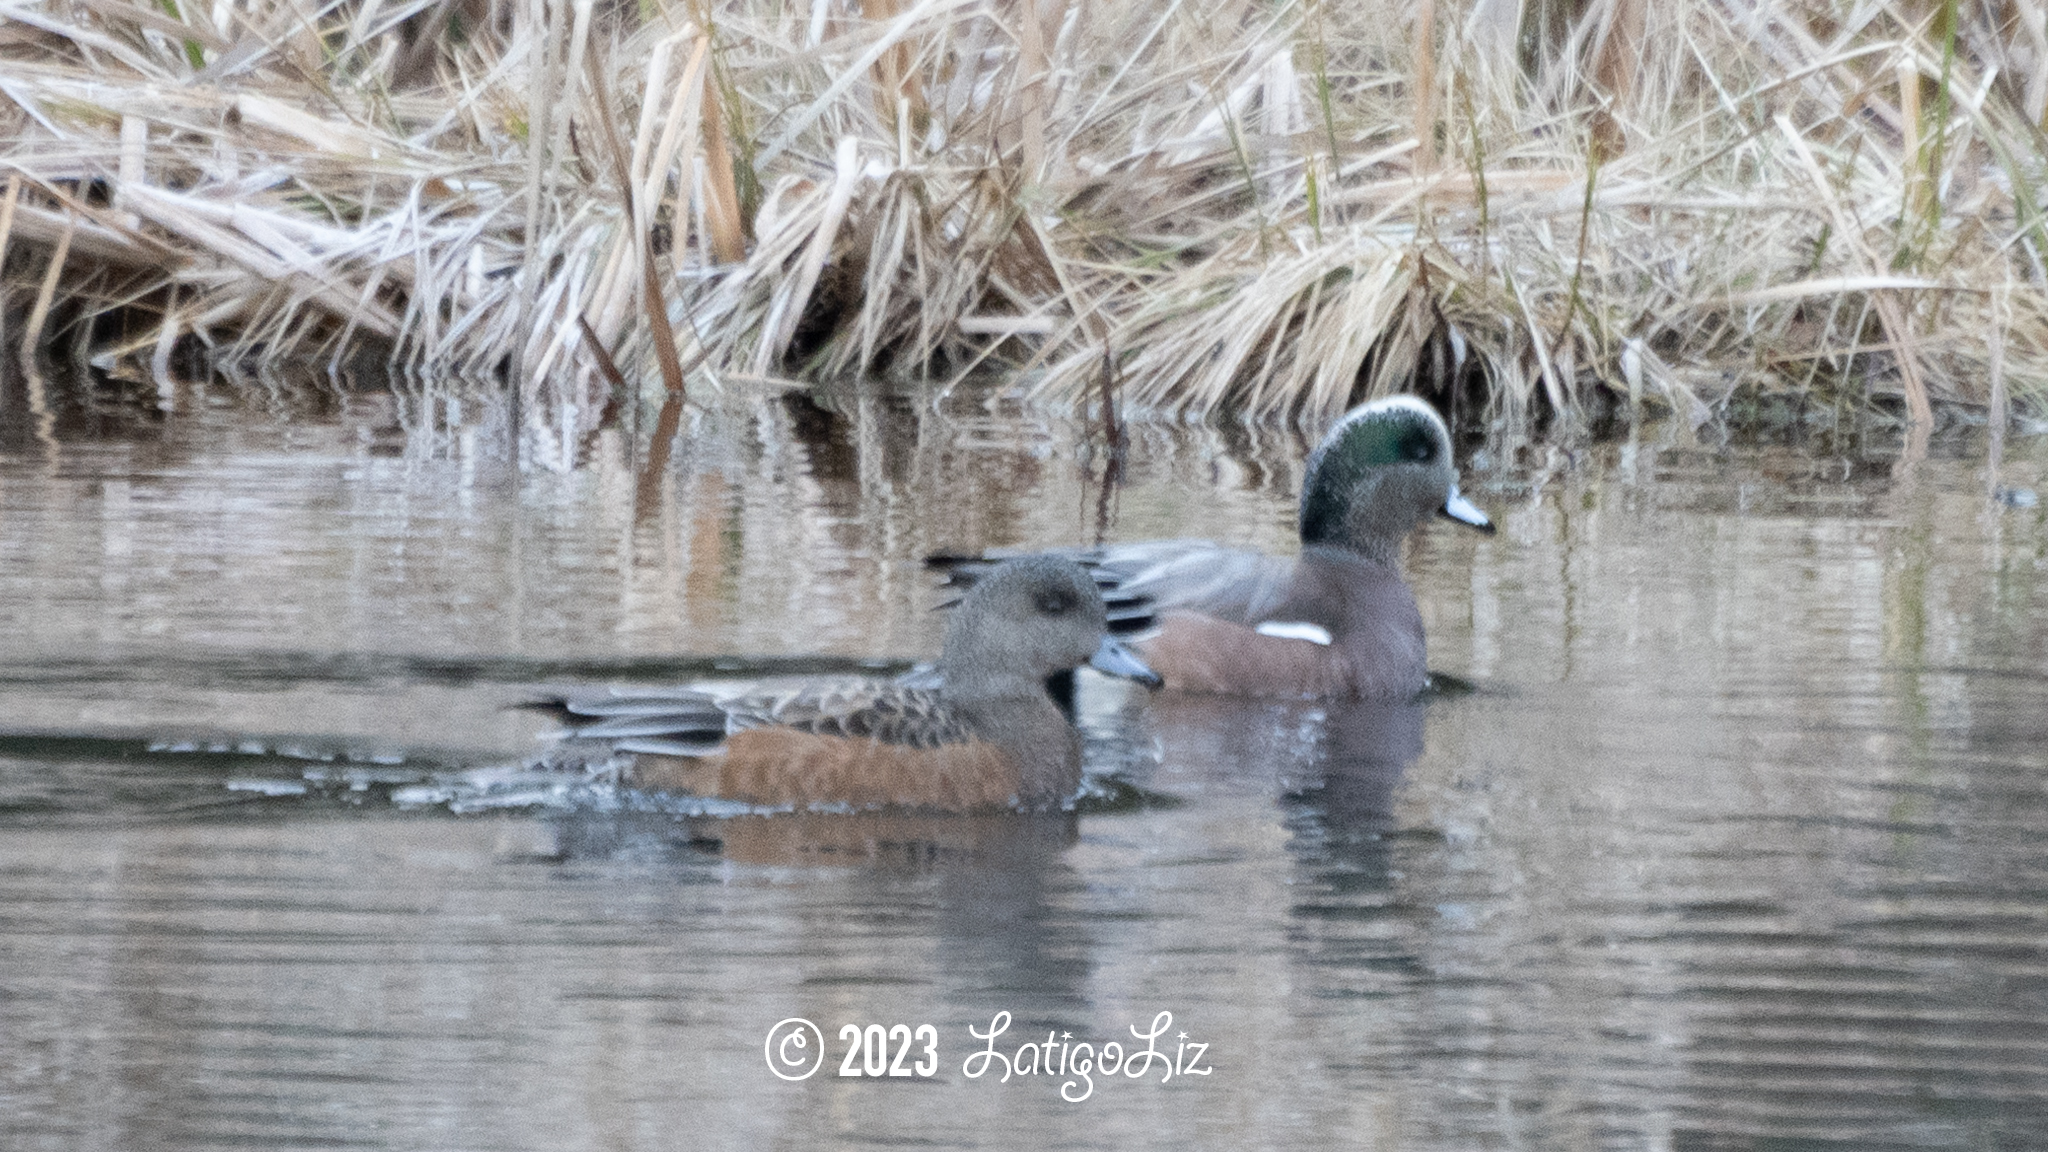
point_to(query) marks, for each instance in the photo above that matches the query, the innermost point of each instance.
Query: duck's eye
(1422, 450)
(1055, 602)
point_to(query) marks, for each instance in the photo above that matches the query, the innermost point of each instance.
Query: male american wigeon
(980, 733)
(1336, 621)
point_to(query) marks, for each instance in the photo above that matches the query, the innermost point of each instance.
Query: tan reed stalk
(1032, 64)
(7, 204)
(653, 303)
(721, 187)
(1617, 58)
(32, 335)
(1423, 87)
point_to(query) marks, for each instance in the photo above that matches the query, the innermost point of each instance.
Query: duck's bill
(1456, 507)
(1116, 660)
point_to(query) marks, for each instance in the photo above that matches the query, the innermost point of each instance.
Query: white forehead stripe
(1383, 407)
(1295, 630)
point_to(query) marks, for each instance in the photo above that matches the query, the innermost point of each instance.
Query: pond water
(1739, 838)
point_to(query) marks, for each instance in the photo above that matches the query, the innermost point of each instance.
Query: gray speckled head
(1380, 471)
(1027, 619)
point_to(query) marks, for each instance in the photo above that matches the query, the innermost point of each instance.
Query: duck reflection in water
(1336, 766)
(1366, 750)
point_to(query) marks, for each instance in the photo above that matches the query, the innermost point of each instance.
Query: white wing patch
(1295, 630)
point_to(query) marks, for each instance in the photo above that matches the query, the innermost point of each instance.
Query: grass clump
(1544, 209)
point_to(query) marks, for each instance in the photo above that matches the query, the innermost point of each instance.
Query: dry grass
(1271, 208)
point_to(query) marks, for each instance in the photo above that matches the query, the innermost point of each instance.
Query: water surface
(1740, 839)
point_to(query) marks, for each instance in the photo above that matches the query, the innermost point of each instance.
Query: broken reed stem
(32, 336)
(721, 188)
(1423, 79)
(1033, 66)
(653, 304)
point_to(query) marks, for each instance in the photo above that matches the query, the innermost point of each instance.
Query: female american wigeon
(979, 733)
(1337, 621)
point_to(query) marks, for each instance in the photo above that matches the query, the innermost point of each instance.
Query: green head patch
(1394, 431)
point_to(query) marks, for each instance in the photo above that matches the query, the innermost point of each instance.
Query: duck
(1336, 621)
(977, 732)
